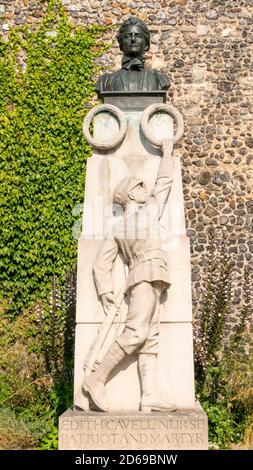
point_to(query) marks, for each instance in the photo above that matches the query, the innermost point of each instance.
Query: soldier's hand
(107, 301)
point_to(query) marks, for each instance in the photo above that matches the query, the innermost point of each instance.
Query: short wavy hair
(133, 20)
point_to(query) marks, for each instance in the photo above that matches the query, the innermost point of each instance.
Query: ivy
(46, 84)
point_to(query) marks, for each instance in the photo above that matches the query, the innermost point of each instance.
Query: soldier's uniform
(146, 258)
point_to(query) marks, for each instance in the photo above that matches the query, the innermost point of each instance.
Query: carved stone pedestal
(124, 427)
(135, 156)
(182, 430)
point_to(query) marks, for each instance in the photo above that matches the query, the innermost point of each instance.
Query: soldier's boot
(150, 399)
(94, 384)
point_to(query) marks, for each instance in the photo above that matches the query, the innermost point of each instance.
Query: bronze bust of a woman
(134, 40)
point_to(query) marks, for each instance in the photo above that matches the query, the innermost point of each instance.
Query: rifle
(91, 360)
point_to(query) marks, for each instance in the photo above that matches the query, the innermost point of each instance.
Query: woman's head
(134, 37)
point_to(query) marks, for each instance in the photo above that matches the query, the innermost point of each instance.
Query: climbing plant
(46, 83)
(223, 349)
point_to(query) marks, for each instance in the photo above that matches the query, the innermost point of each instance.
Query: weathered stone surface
(223, 220)
(148, 431)
(192, 214)
(212, 14)
(212, 162)
(19, 21)
(202, 30)
(205, 177)
(210, 211)
(5, 27)
(179, 63)
(172, 21)
(225, 86)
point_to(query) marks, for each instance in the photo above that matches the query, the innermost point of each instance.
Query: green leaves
(224, 356)
(46, 80)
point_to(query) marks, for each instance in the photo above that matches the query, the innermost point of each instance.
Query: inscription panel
(179, 430)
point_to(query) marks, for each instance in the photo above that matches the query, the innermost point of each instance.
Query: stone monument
(134, 377)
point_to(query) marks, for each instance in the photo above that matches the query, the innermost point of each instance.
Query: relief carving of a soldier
(146, 258)
(134, 41)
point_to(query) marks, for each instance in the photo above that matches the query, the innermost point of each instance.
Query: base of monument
(179, 430)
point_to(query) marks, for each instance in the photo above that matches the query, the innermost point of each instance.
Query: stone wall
(205, 48)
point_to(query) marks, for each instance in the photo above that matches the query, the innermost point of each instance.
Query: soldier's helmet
(123, 188)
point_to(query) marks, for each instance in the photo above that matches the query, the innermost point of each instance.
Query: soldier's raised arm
(164, 179)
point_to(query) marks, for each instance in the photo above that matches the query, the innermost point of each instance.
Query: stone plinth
(182, 430)
(135, 156)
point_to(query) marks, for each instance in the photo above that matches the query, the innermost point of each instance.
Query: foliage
(36, 362)
(209, 326)
(46, 77)
(221, 427)
(46, 84)
(25, 385)
(224, 357)
(58, 322)
(14, 433)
